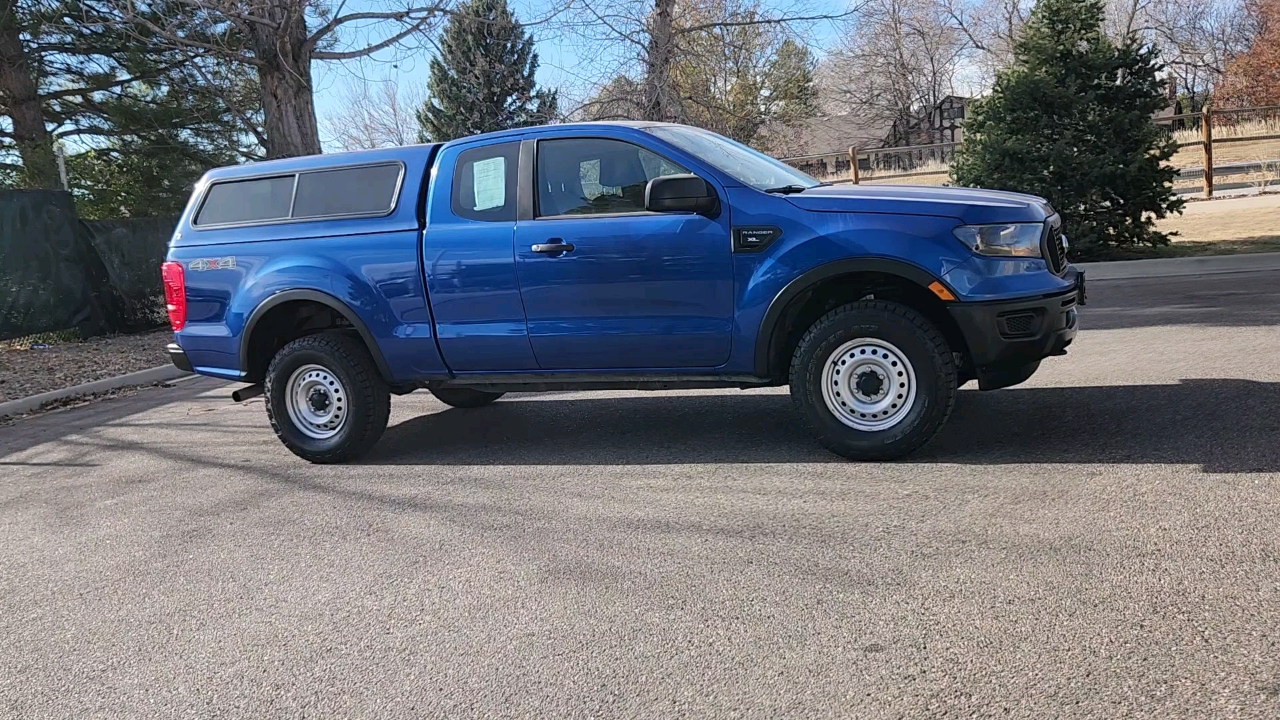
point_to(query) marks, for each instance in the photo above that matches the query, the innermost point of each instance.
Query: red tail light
(175, 294)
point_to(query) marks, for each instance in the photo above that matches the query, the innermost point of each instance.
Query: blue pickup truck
(607, 256)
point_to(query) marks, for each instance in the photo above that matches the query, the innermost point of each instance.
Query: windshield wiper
(792, 189)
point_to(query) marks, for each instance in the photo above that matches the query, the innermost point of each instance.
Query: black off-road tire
(367, 396)
(910, 332)
(465, 397)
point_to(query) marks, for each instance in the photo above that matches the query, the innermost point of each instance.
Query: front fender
(768, 332)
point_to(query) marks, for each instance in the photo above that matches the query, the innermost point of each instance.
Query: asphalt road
(1100, 542)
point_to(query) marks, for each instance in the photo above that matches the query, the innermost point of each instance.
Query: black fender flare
(324, 299)
(810, 278)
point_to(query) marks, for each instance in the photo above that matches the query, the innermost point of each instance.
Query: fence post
(853, 164)
(1206, 136)
(62, 165)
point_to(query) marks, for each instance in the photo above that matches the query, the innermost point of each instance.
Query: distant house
(820, 145)
(941, 124)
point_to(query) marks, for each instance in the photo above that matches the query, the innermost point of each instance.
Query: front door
(639, 289)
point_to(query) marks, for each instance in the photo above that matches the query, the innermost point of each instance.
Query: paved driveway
(1100, 542)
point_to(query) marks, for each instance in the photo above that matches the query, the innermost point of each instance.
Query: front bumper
(178, 357)
(1012, 335)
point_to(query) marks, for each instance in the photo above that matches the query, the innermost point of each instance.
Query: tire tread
(376, 409)
(933, 339)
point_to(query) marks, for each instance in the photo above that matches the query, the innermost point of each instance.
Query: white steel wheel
(868, 384)
(316, 402)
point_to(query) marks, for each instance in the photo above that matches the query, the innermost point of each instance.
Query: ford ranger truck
(600, 256)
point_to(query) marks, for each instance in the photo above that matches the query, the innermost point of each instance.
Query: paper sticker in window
(489, 178)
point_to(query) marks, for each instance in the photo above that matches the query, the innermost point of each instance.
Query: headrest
(622, 169)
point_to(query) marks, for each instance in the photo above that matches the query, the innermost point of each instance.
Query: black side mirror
(681, 193)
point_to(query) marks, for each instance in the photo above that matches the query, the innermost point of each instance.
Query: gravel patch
(24, 373)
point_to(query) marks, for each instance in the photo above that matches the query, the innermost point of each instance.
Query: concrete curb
(1174, 267)
(162, 373)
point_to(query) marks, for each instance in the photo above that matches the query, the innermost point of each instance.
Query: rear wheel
(325, 399)
(465, 397)
(873, 380)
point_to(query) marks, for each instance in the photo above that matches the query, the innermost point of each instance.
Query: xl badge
(754, 238)
(224, 263)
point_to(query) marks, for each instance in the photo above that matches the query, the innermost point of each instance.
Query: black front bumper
(178, 357)
(1008, 339)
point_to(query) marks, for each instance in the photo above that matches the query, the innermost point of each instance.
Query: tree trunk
(285, 79)
(20, 95)
(661, 101)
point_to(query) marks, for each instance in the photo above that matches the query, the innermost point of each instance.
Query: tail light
(175, 294)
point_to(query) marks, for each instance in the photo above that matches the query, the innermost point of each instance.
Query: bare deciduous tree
(1197, 40)
(989, 27)
(900, 61)
(374, 114)
(281, 39)
(662, 34)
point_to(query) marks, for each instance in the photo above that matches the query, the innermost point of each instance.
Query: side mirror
(681, 193)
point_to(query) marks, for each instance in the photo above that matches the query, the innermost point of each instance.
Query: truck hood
(968, 205)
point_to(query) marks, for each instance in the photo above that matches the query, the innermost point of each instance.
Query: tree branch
(761, 21)
(248, 124)
(72, 92)
(179, 42)
(365, 52)
(399, 15)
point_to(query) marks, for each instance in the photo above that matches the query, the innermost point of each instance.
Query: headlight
(1013, 240)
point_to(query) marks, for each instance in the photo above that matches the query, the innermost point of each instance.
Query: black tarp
(60, 273)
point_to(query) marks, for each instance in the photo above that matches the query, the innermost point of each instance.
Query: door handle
(554, 247)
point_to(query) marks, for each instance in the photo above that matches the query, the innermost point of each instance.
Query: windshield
(739, 161)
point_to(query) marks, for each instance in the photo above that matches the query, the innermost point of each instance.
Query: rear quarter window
(484, 183)
(241, 201)
(348, 191)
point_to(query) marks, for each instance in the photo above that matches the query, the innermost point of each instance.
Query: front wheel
(325, 399)
(873, 380)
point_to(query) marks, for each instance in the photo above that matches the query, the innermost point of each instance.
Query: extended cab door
(467, 254)
(637, 289)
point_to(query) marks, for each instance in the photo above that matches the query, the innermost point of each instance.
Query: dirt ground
(28, 372)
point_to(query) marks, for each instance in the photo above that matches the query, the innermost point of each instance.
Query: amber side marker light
(941, 291)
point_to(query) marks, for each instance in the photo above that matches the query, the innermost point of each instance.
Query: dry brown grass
(1243, 219)
(1229, 153)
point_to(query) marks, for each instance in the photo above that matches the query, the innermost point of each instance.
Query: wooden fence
(916, 161)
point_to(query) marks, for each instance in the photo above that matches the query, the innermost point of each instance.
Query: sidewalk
(1175, 267)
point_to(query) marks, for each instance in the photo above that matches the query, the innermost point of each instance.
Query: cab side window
(594, 176)
(484, 183)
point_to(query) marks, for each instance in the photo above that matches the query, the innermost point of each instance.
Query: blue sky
(567, 60)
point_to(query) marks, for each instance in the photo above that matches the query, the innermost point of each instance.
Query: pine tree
(1070, 121)
(483, 79)
(792, 93)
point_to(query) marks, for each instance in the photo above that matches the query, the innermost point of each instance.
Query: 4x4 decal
(223, 263)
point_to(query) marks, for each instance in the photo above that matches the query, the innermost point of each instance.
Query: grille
(1019, 325)
(1055, 253)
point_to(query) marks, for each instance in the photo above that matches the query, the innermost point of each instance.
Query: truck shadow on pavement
(1221, 425)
